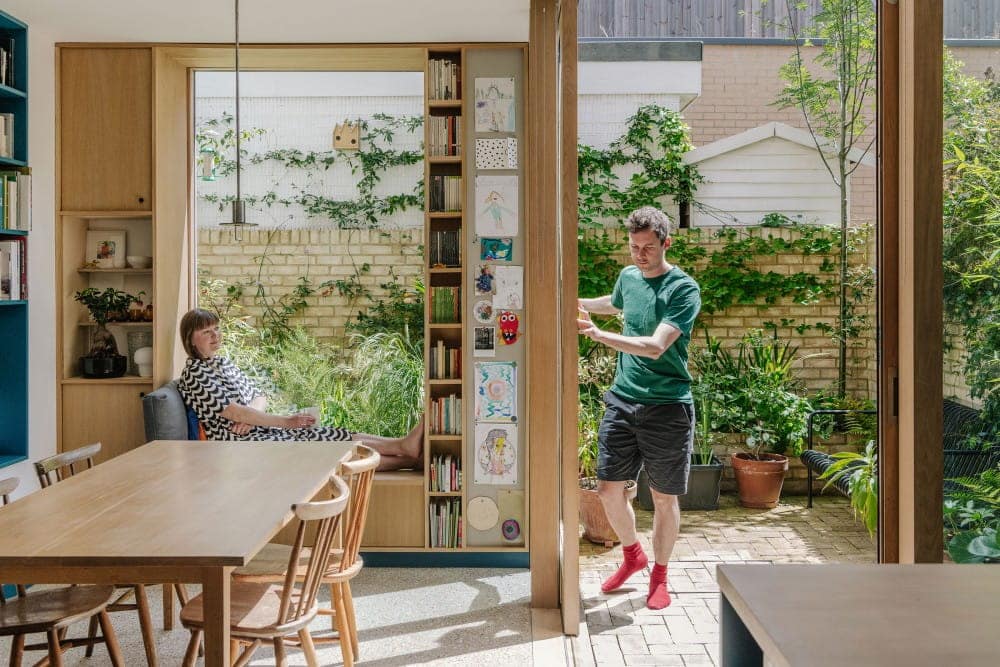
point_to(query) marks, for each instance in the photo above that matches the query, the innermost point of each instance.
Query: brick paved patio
(620, 630)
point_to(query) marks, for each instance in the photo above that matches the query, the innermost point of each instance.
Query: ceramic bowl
(139, 261)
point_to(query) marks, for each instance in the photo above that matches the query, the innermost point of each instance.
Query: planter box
(703, 488)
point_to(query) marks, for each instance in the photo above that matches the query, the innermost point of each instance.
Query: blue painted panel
(14, 381)
(516, 559)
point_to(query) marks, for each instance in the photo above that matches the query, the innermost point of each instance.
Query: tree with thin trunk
(831, 79)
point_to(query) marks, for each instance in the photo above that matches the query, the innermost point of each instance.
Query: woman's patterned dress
(209, 385)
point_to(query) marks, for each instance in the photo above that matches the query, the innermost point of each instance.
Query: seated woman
(230, 407)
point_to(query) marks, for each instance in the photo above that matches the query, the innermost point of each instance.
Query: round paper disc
(483, 513)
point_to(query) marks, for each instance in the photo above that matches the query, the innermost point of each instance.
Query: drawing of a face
(508, 327)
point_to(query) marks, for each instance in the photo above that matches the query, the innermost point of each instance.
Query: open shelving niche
(14, 313)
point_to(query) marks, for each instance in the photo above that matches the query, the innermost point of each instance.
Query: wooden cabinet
(105, 150)
(105, 129)
(108, 413)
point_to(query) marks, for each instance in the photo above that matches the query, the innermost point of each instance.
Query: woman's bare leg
(397, 453)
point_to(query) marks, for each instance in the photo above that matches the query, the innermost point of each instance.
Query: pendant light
(239, 221)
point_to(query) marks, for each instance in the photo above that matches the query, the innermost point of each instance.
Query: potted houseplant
(103, 359)
(705, 477)
(761, 403)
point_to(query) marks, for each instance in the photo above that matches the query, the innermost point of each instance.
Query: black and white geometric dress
(209, 385)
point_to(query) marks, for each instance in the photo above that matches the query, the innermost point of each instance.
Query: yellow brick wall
(320, 254)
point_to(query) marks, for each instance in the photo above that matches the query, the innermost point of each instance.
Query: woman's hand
(299, 420)
(239, 428)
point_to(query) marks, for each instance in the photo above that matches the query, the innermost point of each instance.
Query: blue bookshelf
(14, 314)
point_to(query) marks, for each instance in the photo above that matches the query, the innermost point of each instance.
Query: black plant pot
(704, 481)
(104, 367)
(703, 488)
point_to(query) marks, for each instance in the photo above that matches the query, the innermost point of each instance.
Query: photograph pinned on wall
(105, 248)
(496, 454)
(496, 153)
(485, 342)
(510, 327)
(484, 281)
(482, 310)
(496, 206)
(496, 391)
(498, 250)
(495, 102)
(508, 287)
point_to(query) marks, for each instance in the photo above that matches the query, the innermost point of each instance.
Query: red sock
(658, 597)
(635, 560)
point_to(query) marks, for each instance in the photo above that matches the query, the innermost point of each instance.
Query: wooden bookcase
(105, 149)
(14, 313)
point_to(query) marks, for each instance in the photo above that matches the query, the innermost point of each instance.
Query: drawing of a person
(493, 206)
(496, 456)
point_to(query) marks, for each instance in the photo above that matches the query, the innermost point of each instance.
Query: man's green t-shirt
(673, 298)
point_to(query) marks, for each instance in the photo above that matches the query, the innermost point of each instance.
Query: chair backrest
(359, 473)
(325, 516)
(6, 486)
(66, 464)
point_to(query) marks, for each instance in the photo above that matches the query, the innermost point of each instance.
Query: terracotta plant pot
(759, 481)
(596, 527)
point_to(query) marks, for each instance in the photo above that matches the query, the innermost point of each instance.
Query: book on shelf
(444, 248)
(14, 269)
(446, 305)
(445, 362)
(446, 415)
(445, 193)
(6, 135)
(445, 522)
(15, 199)
(444, 79)
(445, 473)
(444, 136)
(7, 43)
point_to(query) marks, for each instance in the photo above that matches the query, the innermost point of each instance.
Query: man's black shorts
(660, 437)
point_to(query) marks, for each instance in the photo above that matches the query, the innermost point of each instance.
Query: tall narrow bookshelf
(14, 229)
(444, 324)
(467, 511)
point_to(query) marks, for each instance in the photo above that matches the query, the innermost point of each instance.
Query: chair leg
(91, 633)
(55, 650)
(234, 651)
(333, 607)
(16, 650)
(352, 621)
(168, 607)
(110, 639)
(191, 655)
(341, 619)
(182, 594)
(146, 624)
(279, 652)
(312, 660)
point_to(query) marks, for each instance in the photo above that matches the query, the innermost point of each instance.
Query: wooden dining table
(169, 511)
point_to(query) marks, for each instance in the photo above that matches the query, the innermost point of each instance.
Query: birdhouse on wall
(347, 136)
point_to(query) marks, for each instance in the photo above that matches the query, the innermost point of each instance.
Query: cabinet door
(106, 129)
(109, 414)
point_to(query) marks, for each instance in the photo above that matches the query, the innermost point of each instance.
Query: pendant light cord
(237, 77)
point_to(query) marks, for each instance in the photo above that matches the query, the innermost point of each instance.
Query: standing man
(649, 418)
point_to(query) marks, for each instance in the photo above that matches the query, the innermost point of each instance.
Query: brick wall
(321, 254)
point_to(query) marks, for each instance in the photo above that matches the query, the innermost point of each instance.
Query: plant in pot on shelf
(103, 359)
(596, 527)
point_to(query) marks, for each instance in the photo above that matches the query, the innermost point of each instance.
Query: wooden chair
(63, 466)
(268, 612)
(345, 563)
(51, 612)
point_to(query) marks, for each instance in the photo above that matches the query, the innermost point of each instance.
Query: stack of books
(445, 473)
(444, 248)
(444, 135)
(445, 362)
(14, 269)
(445, 193)
(446, 415)
(444, 78)
(15, 199)
(445, 522)
(446, 305)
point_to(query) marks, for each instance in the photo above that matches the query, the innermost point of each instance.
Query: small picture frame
(105, 248)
